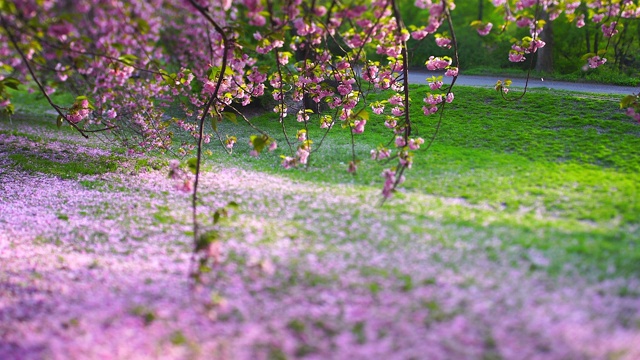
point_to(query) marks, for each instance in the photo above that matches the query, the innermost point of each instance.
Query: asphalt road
(419, 77)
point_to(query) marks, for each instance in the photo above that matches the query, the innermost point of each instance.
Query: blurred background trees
(562, 57)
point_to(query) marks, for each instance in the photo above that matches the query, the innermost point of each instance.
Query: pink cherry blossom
(377, 108)
(437, 63)
(524, 21)
(485, 29)
(515, 56)
(391, 123)
(435, 85)
(358, 127)
(288, 162)
(596, 61)
(302, 155)
(443, 42)
(609, 30)
(451, 71)
(414, 144)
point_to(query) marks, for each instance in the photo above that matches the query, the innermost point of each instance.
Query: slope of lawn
(514, 237)
(559, 170)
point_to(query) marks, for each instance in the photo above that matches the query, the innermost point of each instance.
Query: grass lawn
(516, 236)
(557, 171)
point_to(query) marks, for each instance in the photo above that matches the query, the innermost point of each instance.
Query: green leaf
(587, 55)
(143, 26)
(192, 164)
(259, 142)
(362, 114)
(627, 101)
(233, 205)
(213, 72)
(9, 109)
(128, 59)
(230, 116)
(178, 338)
(12, 83)
(214, 124)
(59, 121)
(206, 239)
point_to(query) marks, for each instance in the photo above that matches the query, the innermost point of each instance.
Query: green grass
(556, 171)
(574, 154)
(34, 163)
(600, 76)
(34, 138)
(35, 103)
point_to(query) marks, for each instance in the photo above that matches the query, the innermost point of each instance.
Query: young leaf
(206, 239)
(230, 116)
(9, 109)
(214, 124)
(143, 26)
(192, 164)
(213, 72)
(362, 114)
(627, 101)
(12, 83)
(128, 59)
(233, 205)
(259, 142)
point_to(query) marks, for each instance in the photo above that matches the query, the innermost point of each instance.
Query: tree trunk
(544, 62)
(588, 39)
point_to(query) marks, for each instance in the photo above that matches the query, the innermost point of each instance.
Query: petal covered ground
(96, 268)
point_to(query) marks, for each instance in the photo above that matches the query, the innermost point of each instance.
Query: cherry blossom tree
(144, 70)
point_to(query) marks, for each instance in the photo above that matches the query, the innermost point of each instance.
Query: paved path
(419, 77)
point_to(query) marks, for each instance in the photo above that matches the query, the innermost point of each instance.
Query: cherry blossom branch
(35, 78)
(454, 44)
(194, 199)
